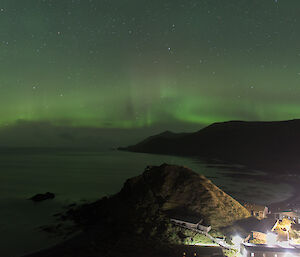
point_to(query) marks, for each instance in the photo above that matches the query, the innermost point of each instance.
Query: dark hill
(270, 146)
(182, 192)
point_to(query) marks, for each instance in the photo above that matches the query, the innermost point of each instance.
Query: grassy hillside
(182, 192)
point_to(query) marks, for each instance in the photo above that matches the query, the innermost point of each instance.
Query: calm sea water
(76, 176)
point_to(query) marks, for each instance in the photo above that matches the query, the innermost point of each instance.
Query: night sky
(140, 63)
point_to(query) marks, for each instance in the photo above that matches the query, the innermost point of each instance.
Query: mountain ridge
(266, 145)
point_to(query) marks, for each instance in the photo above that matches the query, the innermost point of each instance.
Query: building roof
(275, 248)
(289, 213)
(253, 224)
(264, 225)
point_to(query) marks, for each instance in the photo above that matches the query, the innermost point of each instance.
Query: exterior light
(271, 238)
(237, 240)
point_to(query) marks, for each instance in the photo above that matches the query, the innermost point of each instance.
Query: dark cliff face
(273, 146)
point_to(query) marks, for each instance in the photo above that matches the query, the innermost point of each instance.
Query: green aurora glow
(133, 64)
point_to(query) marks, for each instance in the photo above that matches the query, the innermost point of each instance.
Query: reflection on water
(89, 175)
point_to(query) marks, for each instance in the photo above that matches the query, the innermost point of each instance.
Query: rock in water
(42, 197)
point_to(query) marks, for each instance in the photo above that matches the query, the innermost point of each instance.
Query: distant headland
(270, 146)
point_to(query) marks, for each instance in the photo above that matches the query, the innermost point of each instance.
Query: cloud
(45, 134)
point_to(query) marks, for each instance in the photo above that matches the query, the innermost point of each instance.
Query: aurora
(109, 64)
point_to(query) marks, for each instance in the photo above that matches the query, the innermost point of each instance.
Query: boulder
(42, 197)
